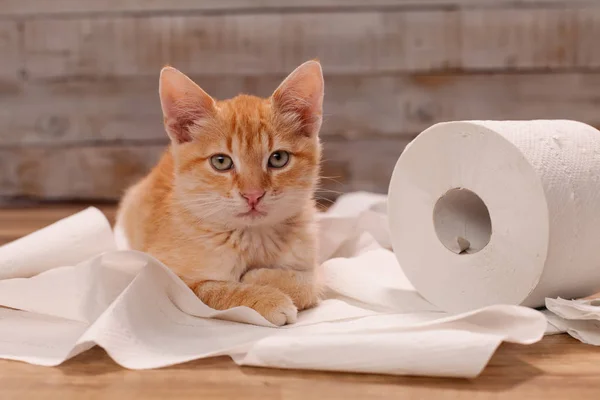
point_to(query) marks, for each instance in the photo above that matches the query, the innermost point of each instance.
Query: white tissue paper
(65, 289)
(499, 212)
(578, 318)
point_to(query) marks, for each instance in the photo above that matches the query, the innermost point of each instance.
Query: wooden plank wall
(79, 111)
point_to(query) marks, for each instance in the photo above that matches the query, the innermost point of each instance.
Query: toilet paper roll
(491, 212)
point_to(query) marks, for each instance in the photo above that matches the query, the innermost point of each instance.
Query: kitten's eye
(221, 162)
(279, 159)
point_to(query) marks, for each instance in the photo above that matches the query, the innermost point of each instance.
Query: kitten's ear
(183, 104)
(301, 94)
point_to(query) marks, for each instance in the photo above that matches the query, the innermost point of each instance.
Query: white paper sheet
(578, 318)
(145, 317)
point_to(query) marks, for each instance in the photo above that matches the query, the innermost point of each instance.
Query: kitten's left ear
(301, 94)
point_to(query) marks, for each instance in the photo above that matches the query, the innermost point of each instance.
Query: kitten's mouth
(252, 213)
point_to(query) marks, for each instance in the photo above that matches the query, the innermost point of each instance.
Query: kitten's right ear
(183, 104)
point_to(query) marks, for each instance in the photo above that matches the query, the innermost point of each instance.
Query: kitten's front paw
(300, 287)
(277, 308)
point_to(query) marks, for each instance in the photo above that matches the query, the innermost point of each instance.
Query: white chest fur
(260, 246)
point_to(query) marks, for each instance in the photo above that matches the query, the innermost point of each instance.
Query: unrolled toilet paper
(372, 320)
(68, 241)
(489, 212)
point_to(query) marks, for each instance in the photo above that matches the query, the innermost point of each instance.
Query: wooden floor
(558, 367)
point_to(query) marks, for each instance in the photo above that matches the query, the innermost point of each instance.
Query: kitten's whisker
(212, 213)
(324, 199)
(330, 177)
(321, 207)
(329, 191)
(200, 202)
(332, 180)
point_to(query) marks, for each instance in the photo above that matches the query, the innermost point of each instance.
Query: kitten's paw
(277, 308)
(300, 287)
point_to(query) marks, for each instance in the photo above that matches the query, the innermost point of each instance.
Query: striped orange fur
(244, 236)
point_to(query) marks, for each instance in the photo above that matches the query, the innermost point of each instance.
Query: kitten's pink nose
(253, 196)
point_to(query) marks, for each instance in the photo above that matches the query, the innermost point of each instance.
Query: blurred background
(80, 117)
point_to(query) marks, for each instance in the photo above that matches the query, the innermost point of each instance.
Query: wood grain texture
(345, 42)
(103, 172)
(39, 8)
(87, 112)
(558, 367)
(79, 112)
(17, 221)
(519, 40)
(74, 172)
(10, 51)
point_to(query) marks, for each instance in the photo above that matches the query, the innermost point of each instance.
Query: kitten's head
(245, 161)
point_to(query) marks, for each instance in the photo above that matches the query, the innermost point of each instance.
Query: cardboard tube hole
(462, 221)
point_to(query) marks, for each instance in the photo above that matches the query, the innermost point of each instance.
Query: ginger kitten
(229, 207)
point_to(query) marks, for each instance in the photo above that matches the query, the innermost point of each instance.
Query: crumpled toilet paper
(67, 288)
(579, 318)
